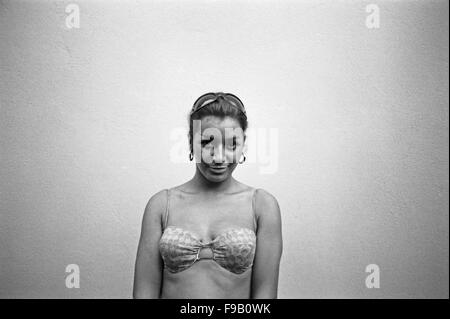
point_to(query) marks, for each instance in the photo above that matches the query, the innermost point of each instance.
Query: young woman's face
(219, 146)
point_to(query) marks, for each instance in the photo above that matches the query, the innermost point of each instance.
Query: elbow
(265, 294)
(145, 295)
(147, 291)
(265, 291)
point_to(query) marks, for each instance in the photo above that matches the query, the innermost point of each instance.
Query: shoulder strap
(255, 220)
(167, 209)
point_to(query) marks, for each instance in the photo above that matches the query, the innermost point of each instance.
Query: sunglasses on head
(209, 98)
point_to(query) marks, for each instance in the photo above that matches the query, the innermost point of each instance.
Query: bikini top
(233, 249)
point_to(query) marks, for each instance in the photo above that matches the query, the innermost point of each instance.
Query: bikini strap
(255, 224)
(167, 209)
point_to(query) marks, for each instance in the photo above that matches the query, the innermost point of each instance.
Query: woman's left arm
(269, 247)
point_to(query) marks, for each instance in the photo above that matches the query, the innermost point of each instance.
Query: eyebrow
(207, 138)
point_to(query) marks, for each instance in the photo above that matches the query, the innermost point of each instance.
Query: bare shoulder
(266, 205)
(156, 206)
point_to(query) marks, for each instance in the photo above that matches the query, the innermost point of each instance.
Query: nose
(218, 155)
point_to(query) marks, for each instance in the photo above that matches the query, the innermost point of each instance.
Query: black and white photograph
(217, 149)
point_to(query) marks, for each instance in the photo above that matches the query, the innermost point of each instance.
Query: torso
(207, 216)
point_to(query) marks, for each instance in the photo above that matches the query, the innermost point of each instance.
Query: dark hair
(220, 108)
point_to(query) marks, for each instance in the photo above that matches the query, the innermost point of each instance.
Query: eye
(233, 145)
(207, 141)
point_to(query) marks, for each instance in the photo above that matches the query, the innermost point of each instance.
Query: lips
(218, 169)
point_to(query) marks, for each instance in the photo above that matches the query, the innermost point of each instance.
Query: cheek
(237, 153)
(206, 154)
(233, 156)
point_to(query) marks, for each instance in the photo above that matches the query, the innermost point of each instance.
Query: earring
(240, 162)
(191, 156)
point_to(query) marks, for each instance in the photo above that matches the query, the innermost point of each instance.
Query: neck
(204, 185)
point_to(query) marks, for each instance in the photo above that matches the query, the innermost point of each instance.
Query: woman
(211, 237)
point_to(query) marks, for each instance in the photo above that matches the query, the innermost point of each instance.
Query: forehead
(226, 125)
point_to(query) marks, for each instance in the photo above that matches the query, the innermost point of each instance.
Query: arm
(148, 268)
(269, 247)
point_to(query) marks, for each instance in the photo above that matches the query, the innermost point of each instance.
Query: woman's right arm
(148, 268)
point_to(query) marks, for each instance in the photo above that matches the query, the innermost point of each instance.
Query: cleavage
(203, 239)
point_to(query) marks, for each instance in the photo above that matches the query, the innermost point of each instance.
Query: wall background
(362, 114)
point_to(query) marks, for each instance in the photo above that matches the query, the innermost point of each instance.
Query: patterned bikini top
(233, 249)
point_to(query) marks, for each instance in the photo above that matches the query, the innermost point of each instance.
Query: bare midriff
(206, 279)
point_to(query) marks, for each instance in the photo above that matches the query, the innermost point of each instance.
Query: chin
(216, 179)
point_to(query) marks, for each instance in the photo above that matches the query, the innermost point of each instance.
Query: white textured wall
(362, 114)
